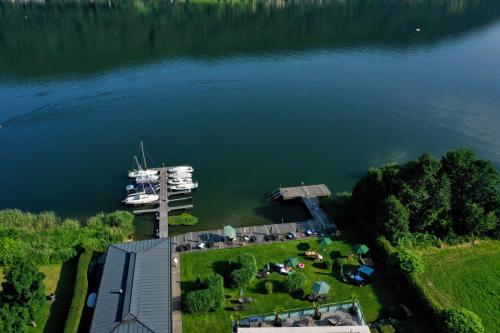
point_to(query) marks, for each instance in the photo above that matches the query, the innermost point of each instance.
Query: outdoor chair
(239, 307)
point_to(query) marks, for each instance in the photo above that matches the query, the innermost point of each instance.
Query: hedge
(209, 299)
(79, 293)
(247, 271)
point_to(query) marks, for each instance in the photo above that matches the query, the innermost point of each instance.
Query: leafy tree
(23, 288)
(295, 282)
(408, 263)
(247, 271)
(393, 221)
(210, 298)
(13, 318)
(460, 320)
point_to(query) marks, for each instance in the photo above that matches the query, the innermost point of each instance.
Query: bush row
(79, 293)
(408, 265)
(210, 298)
(247, 271)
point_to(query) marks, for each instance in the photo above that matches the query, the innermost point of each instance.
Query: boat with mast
(141, 199)
(139, 172)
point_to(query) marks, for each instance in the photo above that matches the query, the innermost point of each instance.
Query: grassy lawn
(466, 276)
(372, 297)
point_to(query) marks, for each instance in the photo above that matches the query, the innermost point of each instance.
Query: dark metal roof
(135, 290)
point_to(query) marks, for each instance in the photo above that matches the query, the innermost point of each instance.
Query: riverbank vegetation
(421, 206)
(29, 241)
(182, 219)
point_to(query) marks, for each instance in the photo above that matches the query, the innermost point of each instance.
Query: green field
(374, 298)
(466, 276)
(59, 279)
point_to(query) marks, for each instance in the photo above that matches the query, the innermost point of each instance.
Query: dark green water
(252, 95)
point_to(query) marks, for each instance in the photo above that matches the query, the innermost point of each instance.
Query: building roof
(135, 290)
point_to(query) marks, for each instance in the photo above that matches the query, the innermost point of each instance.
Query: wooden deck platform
(307, 191)
(217, 236)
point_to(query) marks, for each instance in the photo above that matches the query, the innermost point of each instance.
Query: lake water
(252, 95)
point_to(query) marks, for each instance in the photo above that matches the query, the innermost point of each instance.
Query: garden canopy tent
(293, 261)
(366, 270)
(361, 248)
(320, 287)
(229, 232)
(325, 242)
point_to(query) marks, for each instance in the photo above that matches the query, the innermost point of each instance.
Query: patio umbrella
(293, 261)
(229, 232)
(325, 242)
(320, 287)
(361, 248)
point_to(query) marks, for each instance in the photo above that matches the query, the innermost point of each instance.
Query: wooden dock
(298, 229)
(307, 191)
(163, 207)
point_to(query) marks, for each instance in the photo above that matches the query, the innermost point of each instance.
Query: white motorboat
(141, 199)
(180, 169)
(140, 171)
(147, 179)
(180, 175)
(184, 187)
(178, 181)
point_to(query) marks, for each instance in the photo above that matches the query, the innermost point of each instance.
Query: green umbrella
(229, 232)
(325, 242)
(293, 261)
(361, 248)
(320, 287)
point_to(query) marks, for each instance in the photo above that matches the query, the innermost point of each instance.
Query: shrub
(387, 328)
(408, 262)
(182, 219)
(269, 287)
(247, 271)
(460, 320)
(295, 282)
(79, 293)
(209, 299)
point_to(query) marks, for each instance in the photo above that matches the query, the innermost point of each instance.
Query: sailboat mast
(143, 157)
(137, 161)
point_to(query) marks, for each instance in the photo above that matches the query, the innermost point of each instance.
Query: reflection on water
(79, 37)
(254, 95)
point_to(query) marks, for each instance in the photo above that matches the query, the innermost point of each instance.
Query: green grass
(372, 297)
(466, 276)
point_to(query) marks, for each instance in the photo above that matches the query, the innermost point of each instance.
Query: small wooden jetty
(163, 209)
(304, 191)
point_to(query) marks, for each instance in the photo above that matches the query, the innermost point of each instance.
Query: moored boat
(147, 179)
(180, 169)
(178, 181)
(184, 186)
(141, 199)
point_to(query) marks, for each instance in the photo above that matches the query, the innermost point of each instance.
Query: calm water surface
(252, 95)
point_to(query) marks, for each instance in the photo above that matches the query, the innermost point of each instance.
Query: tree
(22, 297)
(295, 282)
(472, 181)
(269, 287)
(460, 320)
(393, 221)
(408, 262)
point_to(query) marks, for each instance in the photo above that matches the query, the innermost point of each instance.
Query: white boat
(178, 181)
(141, 199)
(184, 187)
(140, 171)
(180, 175)
(180, 169)
(147, 179)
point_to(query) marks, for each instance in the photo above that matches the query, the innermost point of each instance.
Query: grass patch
(183, 219)
(466, 276)
(374, 297)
